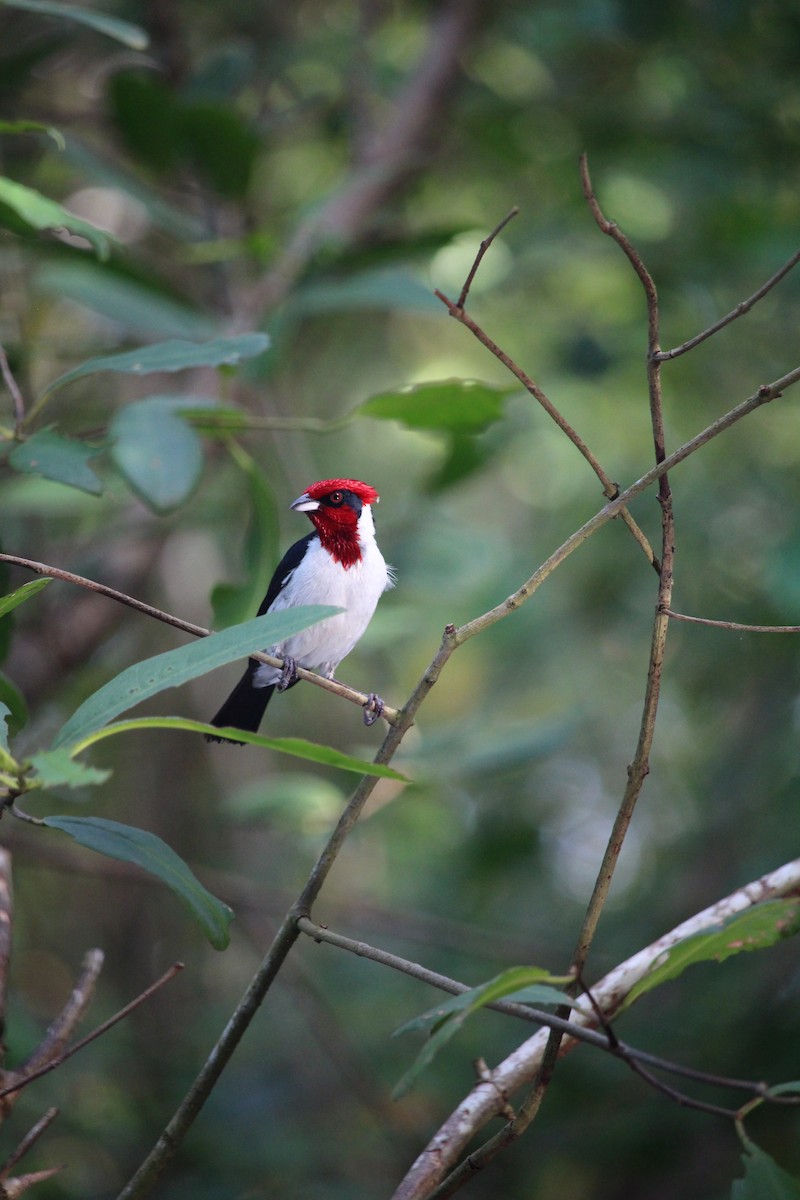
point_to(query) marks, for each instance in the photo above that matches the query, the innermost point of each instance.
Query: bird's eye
(336, 498)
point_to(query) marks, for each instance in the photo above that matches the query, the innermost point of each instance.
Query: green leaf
(453, 405)
(5, 715)
(176, 355)
(232, 602)
(763, 1178)
(152, 854)
(9, 602)
(465, 455)
(41, 213)
(448, 1017)
(122, 31)
(298, 747)
(755, 929)
(33, 127)
(62, 459)
(376, 289)
(222, 146)
(55, 768)
(159, 455)
(142, 309)
(14, 702)
(175, 667)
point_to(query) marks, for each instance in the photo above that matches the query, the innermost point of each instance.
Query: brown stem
(739, 311)
(14, 392)
(733, 625)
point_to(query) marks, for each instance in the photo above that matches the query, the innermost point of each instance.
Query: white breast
(320, 579)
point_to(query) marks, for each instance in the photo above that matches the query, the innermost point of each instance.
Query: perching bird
(338, 564)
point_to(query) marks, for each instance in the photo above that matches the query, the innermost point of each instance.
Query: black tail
(244, 708)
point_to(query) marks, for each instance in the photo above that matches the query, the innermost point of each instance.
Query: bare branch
(30, 1139)
(732, 625)
(484, 246)
(31, 1071)
(741, 309)
(50, 1048)
(6, 916)
(523, 1064)
(15, 393)
(610, 488)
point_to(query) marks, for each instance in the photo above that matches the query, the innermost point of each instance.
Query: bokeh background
(316, 170)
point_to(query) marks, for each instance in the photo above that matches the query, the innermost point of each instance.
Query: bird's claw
(288, 675)
(373, 709)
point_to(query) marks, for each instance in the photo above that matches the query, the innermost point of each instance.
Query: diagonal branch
(741, 309)
(521, 1067)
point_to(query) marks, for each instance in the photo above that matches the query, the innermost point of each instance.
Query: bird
(338, 563)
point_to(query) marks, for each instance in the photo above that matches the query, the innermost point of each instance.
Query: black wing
(284, 571)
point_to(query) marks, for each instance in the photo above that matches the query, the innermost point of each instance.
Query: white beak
(304, 503)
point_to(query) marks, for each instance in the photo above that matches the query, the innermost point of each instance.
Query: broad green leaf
(121, 31)
(755, 929)
(453, 405)
(14, 702)
(448, 1017)
(143, 310)
(152, 854)
(62, 459)
(42, 213)
(763, 1178)
(157, 452)
(381, 289)
(465, 455)
(298, 747)
(222, 145)
(175, 355)
(175, 667)
(233, 602)
(7, 603)
(33, 127)
(55, 768)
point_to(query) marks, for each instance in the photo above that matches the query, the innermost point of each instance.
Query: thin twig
(610, 488)
(61, 1029)
(739, 311)
(733, 625)
(28, 1076)
(328, 685)
(15, 393)
(484, 246)
(6, 917)
(30, 1139)
(521, 1067)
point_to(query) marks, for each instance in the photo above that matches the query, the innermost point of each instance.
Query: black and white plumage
(339, 564)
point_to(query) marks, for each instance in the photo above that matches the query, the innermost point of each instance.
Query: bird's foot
(288, 675)
(373, 709)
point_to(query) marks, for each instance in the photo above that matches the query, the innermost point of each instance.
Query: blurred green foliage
(223, 163)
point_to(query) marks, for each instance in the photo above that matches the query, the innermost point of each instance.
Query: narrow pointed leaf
(121, 31)
(62, 459)
(298, 747)
(128, 844)
(447, 1018)
(9, 602)
(453, 405)
(175, 667)
(232, 602)
(14, 702)
(42, 213)
(33, 127)
(755, 929)
(174, 355)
